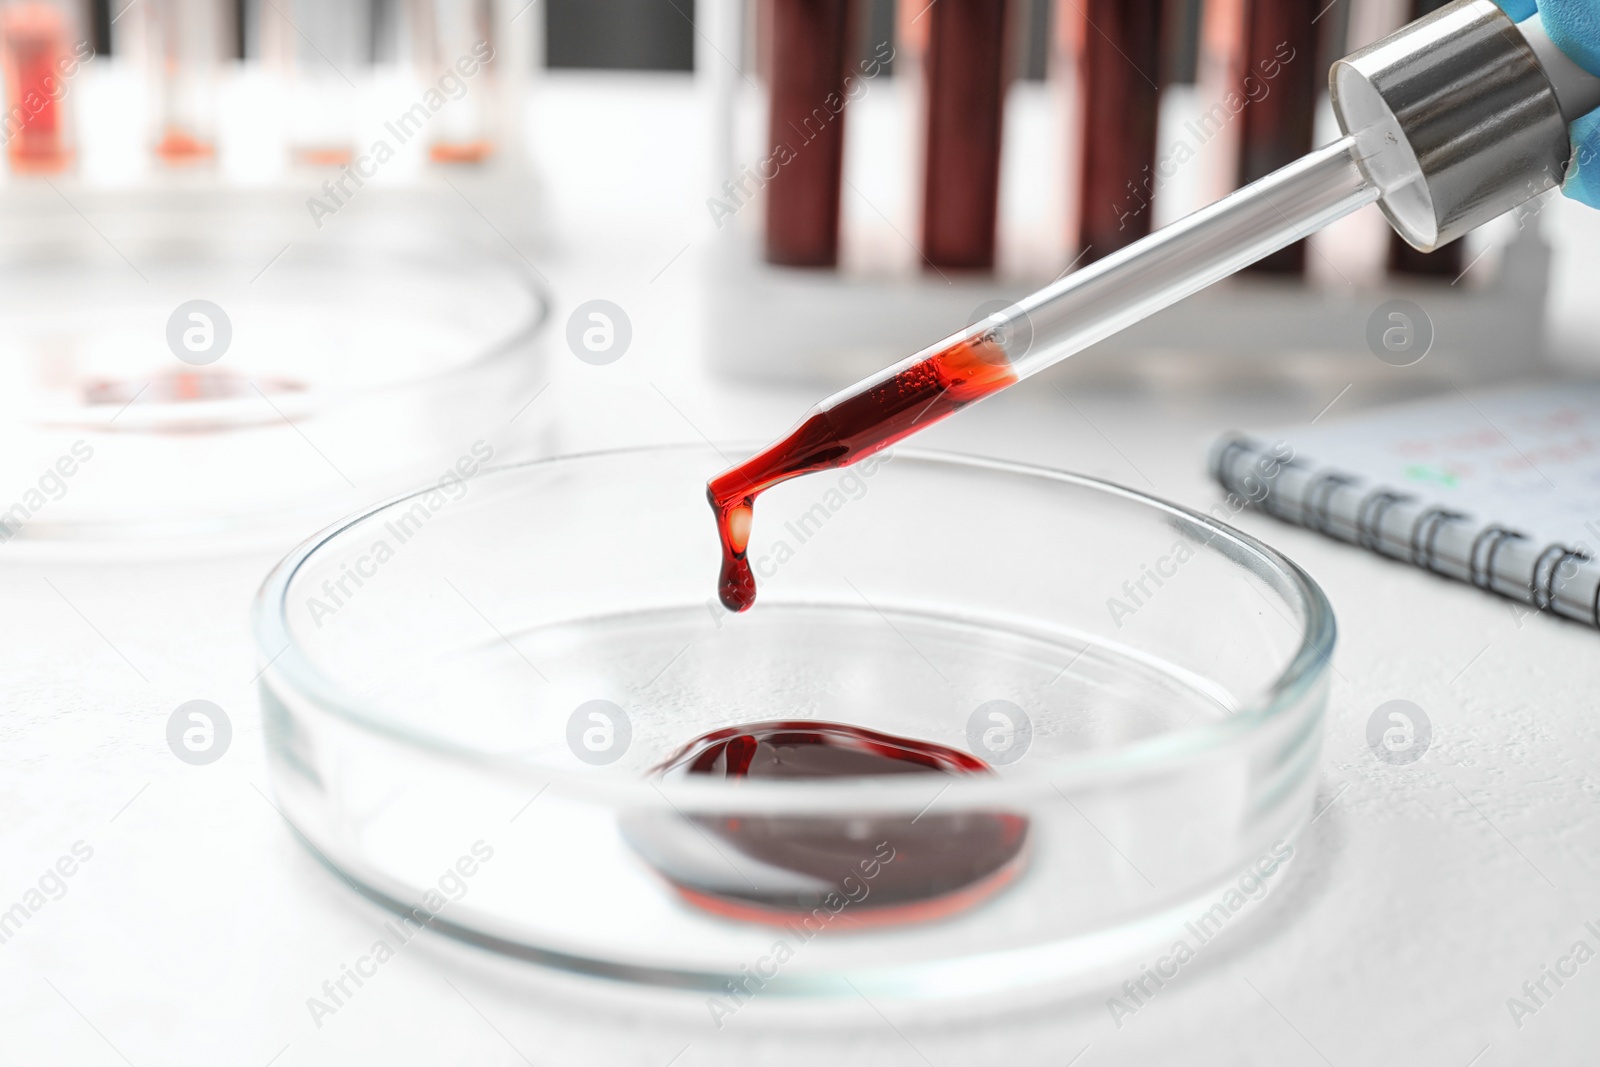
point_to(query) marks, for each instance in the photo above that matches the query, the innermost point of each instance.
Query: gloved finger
(1574, 26)
(1517, 9)
(1583, 173)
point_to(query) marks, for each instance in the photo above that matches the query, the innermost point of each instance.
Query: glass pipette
(1107, 296)
(1449, 122)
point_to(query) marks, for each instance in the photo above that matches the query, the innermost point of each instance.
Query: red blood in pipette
(844, 429)
(846, 870)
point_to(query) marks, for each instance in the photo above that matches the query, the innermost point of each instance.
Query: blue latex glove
(1574, 25)
(1583, 174)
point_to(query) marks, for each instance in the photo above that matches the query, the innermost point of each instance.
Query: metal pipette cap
(1474, 109)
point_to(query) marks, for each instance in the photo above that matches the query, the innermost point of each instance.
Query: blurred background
(385, 198)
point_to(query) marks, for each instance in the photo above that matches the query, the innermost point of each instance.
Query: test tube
(34, 35)
(1115, 46)
(188, 41)
(1279, 79)
(458, 51)
(1446, 262)
(319, 48)
(805, 135)
(966, 76)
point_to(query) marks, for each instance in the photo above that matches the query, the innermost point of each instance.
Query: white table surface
(1421, 898)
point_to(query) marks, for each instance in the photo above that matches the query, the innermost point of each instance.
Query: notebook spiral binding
(1314, 503)
(1222, 459)
(1370, 513)
(1422, 543)
(1558, 577)
(1487, 544)
(1542, 586)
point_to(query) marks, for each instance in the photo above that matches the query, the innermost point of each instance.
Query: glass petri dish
(434, 668)
(354, 368)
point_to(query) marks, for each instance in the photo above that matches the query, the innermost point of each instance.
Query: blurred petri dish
(517, 664)
(341, 372)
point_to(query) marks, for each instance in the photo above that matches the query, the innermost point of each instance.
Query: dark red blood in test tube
(843, 429)
(827, 871)
(1278, 80)
(1117, 44)
(1446, 262)
(806, 131)
(965, 63)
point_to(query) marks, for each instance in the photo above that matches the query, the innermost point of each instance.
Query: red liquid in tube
(181, 148)
(1117, 45)
(844, 429)
(806, 131)
(34, 38)
(966, 93)
(1279, 79)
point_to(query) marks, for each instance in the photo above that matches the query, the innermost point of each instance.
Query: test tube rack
(882, 296)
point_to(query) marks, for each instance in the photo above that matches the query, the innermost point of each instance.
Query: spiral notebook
(1499, 489)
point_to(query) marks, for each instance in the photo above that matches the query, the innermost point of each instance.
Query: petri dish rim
(1306, 669)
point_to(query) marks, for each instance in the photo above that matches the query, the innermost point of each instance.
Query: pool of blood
(841, 871)
(844, 429)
